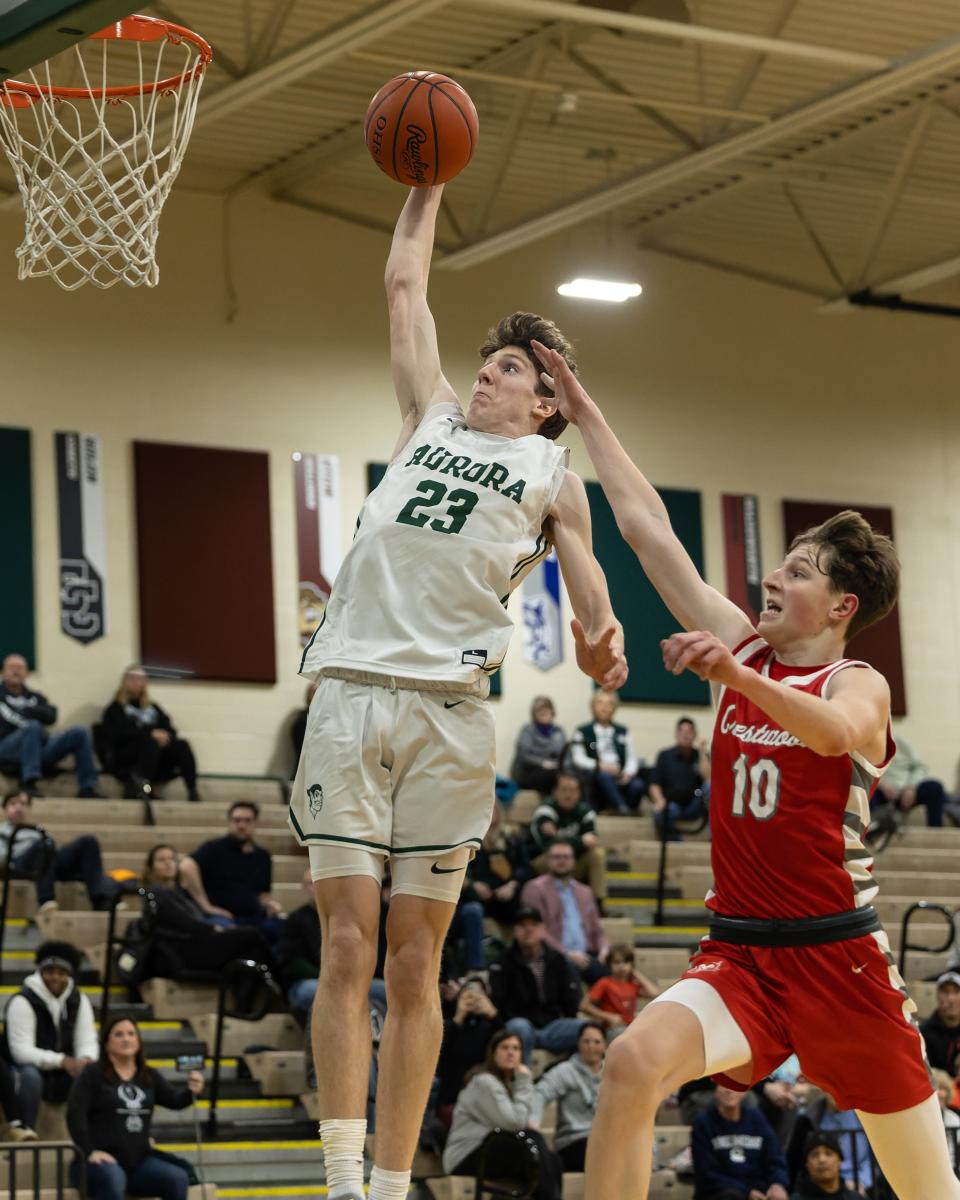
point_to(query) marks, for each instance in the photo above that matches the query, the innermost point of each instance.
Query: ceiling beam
(562, 10)
(914, 71)
(913, 281)
(729, 268)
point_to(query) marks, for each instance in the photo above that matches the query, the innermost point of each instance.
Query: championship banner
(741, 543)
(542, 628)
(319, 552)
(83, 543)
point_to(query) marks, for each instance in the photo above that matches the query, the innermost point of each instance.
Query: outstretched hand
(704, 654)
(603, 658)
(567, 390)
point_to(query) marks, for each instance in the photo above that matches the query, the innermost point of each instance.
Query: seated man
(77, 860)
(602, 751)
(570, 915)
(678, 786)
(50, 1031)
(535, 990)
(230, 877)
(905, 783)
(736, 1155)
(566, 817)
(298, 952)
(820, 1173)
(941, 1030)
(24, 741)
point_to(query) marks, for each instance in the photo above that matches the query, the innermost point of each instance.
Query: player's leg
(410, 1045)
(911, 1148)
(670, 1042)
(349, 909)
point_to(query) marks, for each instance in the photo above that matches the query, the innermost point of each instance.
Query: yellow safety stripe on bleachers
(632, 875)
(170, 1063)
(297, 1189)
(154, 1024)
(669, 931)
(650, 902)
(11, 989)
(251, 1102)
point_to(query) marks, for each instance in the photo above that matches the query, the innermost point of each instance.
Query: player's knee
(636, 1065)
(411, 976)
(349, 955)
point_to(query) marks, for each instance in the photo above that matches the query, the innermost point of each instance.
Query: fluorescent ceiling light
(600, 289)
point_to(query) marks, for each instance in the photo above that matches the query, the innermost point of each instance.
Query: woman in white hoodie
(50, 1030)
(498, 1094)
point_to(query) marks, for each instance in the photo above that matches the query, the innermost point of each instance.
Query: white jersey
(452, 528)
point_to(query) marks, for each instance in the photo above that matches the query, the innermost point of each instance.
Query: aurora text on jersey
(485, 474)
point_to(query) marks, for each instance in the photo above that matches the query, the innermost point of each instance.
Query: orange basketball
(421, 128)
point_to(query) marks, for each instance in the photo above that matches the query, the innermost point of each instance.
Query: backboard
(32, 31)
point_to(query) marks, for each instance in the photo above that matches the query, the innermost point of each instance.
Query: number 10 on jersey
(756, 787)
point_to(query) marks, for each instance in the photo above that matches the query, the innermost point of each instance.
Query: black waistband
(807, 931)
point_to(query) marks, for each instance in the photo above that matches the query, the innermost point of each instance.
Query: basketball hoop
(95, 162)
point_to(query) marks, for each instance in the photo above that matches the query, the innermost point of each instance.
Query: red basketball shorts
(841, 1007)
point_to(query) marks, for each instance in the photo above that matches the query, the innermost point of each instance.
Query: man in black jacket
(24, 717)
(941, 1031)
(536, 990)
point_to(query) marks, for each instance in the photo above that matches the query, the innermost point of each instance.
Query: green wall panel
(644, 615)
(17, 622)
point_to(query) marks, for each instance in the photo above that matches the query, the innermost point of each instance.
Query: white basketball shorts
(394, 769)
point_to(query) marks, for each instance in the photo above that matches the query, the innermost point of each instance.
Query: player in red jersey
(796, 959)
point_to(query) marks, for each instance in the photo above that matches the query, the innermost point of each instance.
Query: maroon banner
(741, 545)
(880, 644)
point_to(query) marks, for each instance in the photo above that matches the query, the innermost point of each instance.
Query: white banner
(319, 549)
(83, 543)
(542, 624)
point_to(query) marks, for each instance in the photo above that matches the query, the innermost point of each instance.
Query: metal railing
(33, 1151)
(258, 977)
(36, 869)
(689, 825)
(906, 945)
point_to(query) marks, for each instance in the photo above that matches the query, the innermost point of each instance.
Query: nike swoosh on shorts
(449, 704)
(435, 870)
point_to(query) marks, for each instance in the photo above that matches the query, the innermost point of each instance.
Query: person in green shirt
(566, 817)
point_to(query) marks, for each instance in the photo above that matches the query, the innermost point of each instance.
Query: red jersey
(787, 823)
(616, 996)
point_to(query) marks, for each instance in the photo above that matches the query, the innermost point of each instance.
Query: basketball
(421, 128)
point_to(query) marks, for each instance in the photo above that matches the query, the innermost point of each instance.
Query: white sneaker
(48, 906)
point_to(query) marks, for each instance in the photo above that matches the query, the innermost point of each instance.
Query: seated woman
(466, 1036)
(498, 1095)
(183, 935)
(499, 870)
(539, 750)
(139, 743)
(574, 1085)
(108, 1114)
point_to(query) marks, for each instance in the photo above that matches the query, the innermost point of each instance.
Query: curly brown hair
(520, 329)
(858, 559)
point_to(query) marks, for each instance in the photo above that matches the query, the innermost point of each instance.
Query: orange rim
(130, 29)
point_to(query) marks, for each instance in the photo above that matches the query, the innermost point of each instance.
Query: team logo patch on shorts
(315, 799)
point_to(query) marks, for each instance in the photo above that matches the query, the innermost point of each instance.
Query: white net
(94, 167)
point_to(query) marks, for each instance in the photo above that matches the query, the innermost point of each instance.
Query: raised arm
(598, 633)
(641, 515)
(414, 356)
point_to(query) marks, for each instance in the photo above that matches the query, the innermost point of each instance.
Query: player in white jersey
(398, 758)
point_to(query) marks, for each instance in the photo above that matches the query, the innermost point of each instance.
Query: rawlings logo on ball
(410, 156)
(315, 799)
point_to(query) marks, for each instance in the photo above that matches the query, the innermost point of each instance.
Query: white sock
(389, 1185)
(343, 1156)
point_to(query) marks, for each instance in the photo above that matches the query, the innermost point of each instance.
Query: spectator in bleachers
(109, 1117)
(298, 728)
(574, 1085)
(602, 752)
(678, 782)
(905, 783)
(232, 875)
(736, 1155)
(536, 990)
(466, 1036)
(565, 816)
(820, 1174)
(298, 953)
(941, 1030)
(540, 747)
(138, 741)
(465, 935)
(78, 860)
(25, 744)
(612, 1001)
(946, 1090)
(50, 1033)
(822, 1114)
(184, 939)
(499, 1095)
(570, 914)
(782, 1096)
(498, 871)
(16, 1129)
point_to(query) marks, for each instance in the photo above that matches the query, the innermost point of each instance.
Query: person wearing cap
(50, 1033)
(536, 989)
(820, 1174)
(941, 1030)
